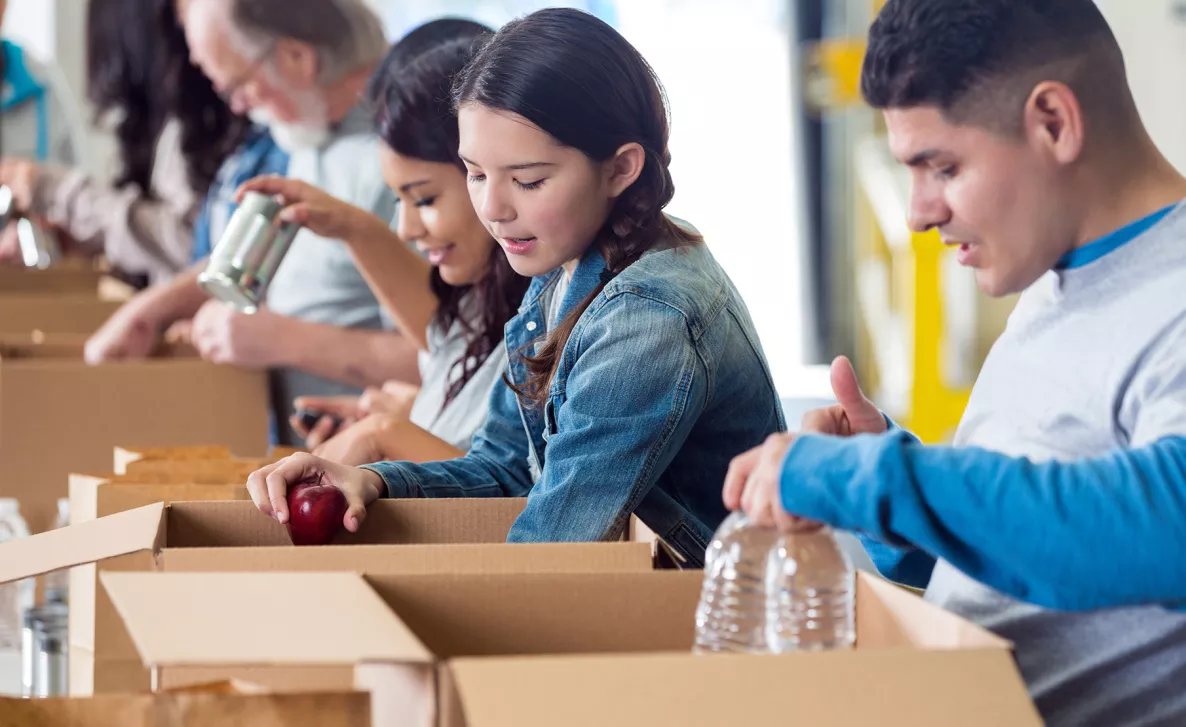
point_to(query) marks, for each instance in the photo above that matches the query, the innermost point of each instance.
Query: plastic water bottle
(766, 592)
(732, 612)
(810, 603)
(57, 583)
(15, 599)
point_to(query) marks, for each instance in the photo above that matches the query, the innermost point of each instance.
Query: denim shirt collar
(584, 279)
(524, 329)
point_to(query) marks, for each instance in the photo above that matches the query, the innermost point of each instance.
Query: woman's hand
(337, 413)
(395, 400)
(269, 486)
(321, 213)
(360, 443)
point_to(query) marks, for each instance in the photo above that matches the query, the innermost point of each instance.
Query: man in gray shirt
(298, 66)
(1057, 516)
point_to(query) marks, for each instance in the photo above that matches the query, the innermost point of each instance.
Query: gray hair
(347, 34)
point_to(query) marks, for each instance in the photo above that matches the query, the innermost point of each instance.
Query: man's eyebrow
(922, 157)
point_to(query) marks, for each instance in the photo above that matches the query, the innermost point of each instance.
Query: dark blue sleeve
(1097, 533)
(906, 565)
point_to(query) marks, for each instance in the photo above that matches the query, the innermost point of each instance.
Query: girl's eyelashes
(426, 202)
(475, 177)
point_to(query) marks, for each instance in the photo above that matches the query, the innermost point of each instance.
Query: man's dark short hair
(978, 61)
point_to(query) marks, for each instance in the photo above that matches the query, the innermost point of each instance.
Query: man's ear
(1053, 119)
(297, 60)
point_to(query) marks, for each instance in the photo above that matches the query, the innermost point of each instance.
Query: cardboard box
(124, 456)
(69, 279)
(203, 459)
(225, 470)
(53, 314)
(204, 707)
(58, 415)
(596, 649)
(398, 536)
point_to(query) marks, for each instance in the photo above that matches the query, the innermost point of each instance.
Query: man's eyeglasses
(229, 93)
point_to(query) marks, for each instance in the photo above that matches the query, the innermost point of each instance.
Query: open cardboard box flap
(234, 619)
(119, 534)
(251, 619)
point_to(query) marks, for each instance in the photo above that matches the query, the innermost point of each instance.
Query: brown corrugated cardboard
(53, 314)
(233, 469)
(74, 280)
(208, 708)
(58, 415)
(887, 688)
(255, 621)
(91, 612)
(419, 559)
(127, 455)
(184, 535)
(490, 635)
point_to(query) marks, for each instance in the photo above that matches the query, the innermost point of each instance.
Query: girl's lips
(520, 246)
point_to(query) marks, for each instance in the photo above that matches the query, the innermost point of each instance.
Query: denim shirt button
(531, 325)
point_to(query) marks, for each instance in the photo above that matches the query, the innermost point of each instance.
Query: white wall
(1152, 34)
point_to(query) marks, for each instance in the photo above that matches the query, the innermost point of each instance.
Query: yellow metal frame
(935, 408)
(932, 409)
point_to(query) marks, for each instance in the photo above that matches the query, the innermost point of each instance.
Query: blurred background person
(454, 302)
(38, 118)
(299, 68)
(172, 131)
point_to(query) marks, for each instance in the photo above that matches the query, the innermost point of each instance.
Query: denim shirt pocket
(689, 543)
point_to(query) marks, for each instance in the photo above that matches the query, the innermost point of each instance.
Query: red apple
(315, 512)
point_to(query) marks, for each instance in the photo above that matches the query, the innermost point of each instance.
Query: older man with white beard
(298, 66)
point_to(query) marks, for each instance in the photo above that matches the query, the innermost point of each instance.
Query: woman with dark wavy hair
(634, 372)
(453, 299)
(172, 131)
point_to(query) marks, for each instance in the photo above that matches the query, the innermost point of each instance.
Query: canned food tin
(249, 253)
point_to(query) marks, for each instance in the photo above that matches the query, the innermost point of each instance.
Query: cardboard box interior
(451, 650)
(58, 415)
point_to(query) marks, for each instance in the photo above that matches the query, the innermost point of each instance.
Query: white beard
(292, 137)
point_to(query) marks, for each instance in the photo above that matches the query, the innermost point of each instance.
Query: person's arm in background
(395, 273)
(386, 438)
(133, 330)
(140, 231)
